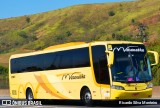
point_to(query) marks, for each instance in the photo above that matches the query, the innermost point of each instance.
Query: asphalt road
(78, 104)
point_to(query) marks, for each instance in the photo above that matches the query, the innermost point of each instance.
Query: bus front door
(104, 78)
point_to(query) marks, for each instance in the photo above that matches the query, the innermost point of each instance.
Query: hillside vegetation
(90, 22)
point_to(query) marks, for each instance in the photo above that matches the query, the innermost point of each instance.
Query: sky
(15, 8)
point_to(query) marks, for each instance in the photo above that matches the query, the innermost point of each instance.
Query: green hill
(108, 21)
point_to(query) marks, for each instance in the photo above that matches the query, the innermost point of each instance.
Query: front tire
(86, 97)
(29, 95)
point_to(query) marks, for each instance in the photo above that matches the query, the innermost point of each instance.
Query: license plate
(135, 94)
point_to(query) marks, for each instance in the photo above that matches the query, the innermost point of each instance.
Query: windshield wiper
(132, 65)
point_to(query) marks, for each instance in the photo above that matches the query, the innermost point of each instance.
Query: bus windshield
(131, 63)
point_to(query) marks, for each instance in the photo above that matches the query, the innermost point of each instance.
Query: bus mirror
(156, 57)
(110, 57)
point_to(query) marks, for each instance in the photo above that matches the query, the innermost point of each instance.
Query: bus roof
(115, 42)
(80, 43)
(72, 45)
(64, 45)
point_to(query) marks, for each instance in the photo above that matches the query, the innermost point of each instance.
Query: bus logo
(129, 49)
(72, 76)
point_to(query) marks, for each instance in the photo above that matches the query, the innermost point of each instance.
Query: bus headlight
(117, 87)
(150, 85)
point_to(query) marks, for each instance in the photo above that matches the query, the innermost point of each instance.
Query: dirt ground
(155, 92)
(4, 92)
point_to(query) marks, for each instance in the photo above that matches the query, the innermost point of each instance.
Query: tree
(113, 35)
(28, 19)
(68, 33)
(142, 32)
(133, 21)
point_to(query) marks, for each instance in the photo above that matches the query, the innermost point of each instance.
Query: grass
(85, 23)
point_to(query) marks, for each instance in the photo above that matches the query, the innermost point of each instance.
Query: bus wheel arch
(86, 96)
(29, 94)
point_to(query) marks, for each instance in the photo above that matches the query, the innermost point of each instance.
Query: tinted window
(100, 64)
(27, 64)
(50, 61)
(66, 59)
(81, 57)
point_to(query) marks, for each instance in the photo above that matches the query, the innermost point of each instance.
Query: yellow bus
(105, 70)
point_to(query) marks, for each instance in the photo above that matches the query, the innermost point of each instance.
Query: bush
(156, 75)
(121, 37)
(68, 33)
(22, 34)
(133, 21)
(4, 78)
(113, 35)
(3, 71)
(111, 13)
(28, 19)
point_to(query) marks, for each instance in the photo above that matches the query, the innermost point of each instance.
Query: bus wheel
(29, 95)
(87, 97)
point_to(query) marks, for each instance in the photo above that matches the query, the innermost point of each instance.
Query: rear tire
(86, 97)
(29, 95)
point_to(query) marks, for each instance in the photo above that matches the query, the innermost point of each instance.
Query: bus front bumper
(122, 94)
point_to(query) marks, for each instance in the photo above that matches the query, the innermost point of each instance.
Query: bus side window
(57, 62)
(14, 66)
(49, 60)
(81, 57)
(66, 60)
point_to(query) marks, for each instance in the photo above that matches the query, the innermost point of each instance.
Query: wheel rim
(87, 97)
(30, 96)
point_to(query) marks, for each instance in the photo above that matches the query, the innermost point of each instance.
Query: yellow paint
(156, 57)
(91, 62)
(19, 90)
(49, 84)
(64, 45)
(36, 91)
(48, 87)
(123, 94)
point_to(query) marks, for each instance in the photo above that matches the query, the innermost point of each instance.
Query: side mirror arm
(156, 57)
(110, 58)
